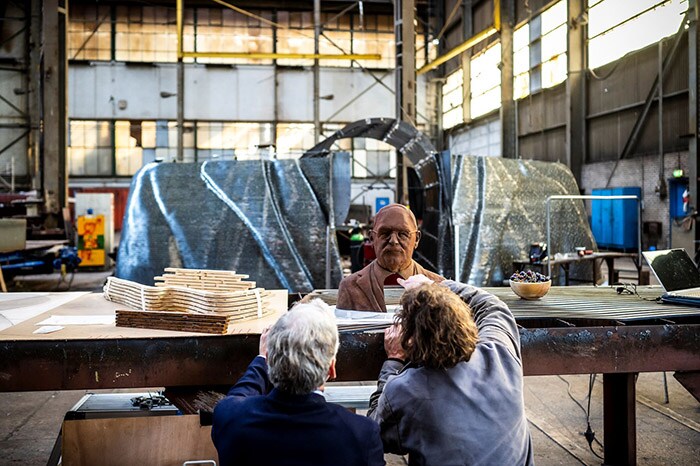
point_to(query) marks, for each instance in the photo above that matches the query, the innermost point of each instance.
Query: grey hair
(301, 346)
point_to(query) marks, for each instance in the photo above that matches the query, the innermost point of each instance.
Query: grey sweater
(470, 414)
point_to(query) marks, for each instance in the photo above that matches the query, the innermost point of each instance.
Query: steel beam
(32, 61)
(467, 44)
(576, 91)
(693, 106)
(507, 111)
(217, 360)
(277, 56)
(404, 28)
(317, 72)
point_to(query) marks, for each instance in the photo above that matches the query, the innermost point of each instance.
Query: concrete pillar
(54, 173)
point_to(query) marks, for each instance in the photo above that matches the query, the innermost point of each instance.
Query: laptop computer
(677, 274)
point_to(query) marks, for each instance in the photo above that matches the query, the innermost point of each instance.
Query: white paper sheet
(358, 318)
(18, 307)
(48, 329)
(78, 320)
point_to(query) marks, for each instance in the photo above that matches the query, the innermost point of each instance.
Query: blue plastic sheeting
(500, 208)
(264, 218)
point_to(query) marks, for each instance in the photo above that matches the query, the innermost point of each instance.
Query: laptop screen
(674, 268)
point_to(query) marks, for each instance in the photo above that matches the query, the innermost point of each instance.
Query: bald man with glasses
(395, 236)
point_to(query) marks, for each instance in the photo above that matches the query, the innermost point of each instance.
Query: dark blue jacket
(259, 425)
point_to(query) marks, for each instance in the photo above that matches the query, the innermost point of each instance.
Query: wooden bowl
(530, 290)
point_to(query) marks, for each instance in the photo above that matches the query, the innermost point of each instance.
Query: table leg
(619, 413)
(2, 282)
(612, 275)
(595, 272)
(565, 268)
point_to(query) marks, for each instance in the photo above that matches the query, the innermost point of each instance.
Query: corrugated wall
(615, 103)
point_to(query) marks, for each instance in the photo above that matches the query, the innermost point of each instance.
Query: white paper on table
(48, 329)
(344, 317)
(78, 320)
(18, 307)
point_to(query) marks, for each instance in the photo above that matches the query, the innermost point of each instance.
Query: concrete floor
(667, 433)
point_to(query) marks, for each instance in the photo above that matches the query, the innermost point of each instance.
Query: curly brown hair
(438, 328)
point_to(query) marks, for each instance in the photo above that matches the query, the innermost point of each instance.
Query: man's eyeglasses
(402, 235)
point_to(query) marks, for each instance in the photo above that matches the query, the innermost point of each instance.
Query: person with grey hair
(276, 413)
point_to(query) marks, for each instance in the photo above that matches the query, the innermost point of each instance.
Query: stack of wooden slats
(212, 280)
(204, 301)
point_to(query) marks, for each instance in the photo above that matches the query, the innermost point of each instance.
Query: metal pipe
(464, 46)
(180, 85)
(662, 181)
(517, 128)
(456, 252)
(317, 72)
(331, 220)
(276, 56)
(328, 255)
(550, 254)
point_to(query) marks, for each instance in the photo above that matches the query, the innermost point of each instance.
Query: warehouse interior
(263, 136)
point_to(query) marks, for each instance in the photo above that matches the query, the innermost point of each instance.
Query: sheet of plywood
(161, 440)
(95, 304)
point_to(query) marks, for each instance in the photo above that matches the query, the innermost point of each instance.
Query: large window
(539, 51)
(122, 147)
(453, 99)
(146, 34)
(138, 33)
(373, 159)
(90, 148)
(229, 141)
(375, 34)
(293, 139)
(485, 81)
(617, 27)
(224, 30)
(90, 33)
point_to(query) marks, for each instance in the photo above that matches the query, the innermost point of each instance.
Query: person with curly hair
(451, 389)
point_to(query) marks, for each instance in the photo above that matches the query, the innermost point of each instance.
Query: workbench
(572, 330)
(594, 259)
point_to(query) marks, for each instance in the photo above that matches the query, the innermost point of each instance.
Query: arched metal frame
(435, 218)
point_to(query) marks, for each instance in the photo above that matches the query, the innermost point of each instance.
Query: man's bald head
(395, 236)
(396, 208)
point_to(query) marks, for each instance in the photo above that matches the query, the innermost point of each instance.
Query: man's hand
(262, 348)
(414, 281)
(392, 343)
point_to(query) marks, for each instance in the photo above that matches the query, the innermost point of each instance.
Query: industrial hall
(349, 232)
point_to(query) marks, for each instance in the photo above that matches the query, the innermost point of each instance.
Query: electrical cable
(631, 289)
(589, 434)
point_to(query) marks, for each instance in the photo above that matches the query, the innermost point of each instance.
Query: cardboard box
(13, 234)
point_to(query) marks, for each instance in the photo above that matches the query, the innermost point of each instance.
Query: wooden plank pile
(205, 301)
